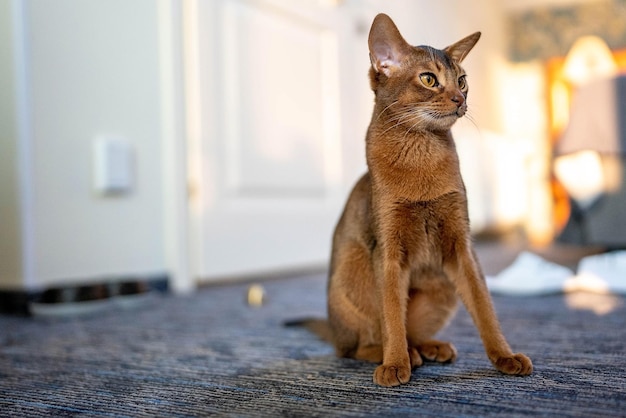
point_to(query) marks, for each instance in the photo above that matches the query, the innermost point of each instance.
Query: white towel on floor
(530, 275)
(601, 273)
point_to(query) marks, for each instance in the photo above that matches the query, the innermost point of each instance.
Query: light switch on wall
(114, 165)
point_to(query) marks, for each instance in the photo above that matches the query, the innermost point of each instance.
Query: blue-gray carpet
(211, 354)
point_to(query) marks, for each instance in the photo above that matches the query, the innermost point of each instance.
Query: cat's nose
(458, 98)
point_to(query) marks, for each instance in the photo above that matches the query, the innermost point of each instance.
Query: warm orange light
(588, 59)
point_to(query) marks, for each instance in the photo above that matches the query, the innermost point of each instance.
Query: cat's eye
(462, 83)
(428, 79)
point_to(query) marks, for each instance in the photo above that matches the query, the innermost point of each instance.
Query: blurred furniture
(586, 114)
(597, 124)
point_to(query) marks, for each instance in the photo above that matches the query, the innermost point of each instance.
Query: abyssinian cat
(402, 250)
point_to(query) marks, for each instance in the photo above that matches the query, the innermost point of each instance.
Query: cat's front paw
(517, 364)
(392, 375)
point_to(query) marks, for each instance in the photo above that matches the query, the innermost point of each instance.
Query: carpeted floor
(211, 354)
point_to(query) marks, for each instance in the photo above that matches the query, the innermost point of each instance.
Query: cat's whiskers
(471, 119)
(399, 119)
(410, 117)
(421, 115)
(395, 125)
(413, 117)
(395, 120)
(385, 109)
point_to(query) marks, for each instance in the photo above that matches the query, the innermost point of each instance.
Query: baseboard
(16, 302)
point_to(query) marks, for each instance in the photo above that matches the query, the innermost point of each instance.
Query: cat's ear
(387, 47)
(459, 50)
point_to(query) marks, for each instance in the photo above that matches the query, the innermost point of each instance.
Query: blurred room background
(209, 140)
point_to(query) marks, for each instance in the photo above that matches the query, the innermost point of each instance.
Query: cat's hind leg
(439, 351)
(351, 314)
(430, 308)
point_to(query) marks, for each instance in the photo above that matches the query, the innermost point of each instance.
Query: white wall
(93, 68)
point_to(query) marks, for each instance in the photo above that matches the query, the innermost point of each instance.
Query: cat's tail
(318, 326)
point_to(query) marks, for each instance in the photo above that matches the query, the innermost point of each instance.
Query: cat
(402, 250)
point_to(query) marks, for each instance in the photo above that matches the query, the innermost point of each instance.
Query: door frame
(173, 45)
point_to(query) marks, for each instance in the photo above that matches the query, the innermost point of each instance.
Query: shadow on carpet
(211, 354)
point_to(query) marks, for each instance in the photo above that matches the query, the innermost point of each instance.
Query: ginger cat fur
(402, 251)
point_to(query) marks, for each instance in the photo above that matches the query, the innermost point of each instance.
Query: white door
(278, 103)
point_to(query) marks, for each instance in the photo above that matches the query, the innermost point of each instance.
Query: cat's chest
(426, 230)
(421, 221)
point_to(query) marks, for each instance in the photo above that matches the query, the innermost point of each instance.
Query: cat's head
(419, 87)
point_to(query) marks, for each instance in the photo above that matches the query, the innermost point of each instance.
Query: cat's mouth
(448, 119)
(458, 113)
